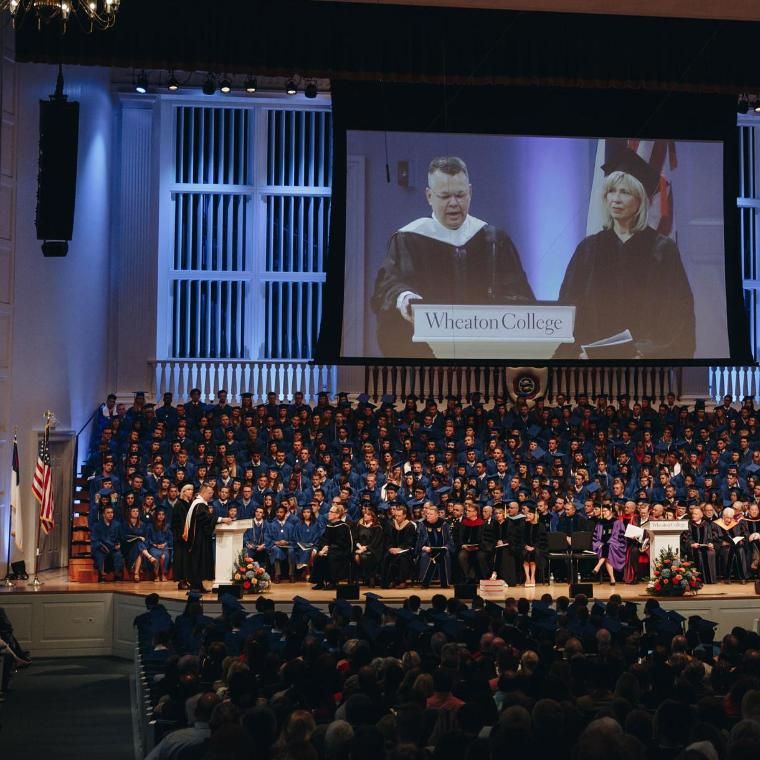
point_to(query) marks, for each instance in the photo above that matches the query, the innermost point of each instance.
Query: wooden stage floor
(57, 582)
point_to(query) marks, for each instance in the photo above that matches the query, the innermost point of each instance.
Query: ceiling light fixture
(89, 14)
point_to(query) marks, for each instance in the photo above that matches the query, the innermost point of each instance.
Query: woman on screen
(628, 277)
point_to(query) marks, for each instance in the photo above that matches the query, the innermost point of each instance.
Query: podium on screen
(493, 331)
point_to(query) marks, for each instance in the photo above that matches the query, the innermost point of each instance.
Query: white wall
(59, 348)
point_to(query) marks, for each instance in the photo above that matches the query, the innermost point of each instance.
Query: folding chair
(580, 548)
(558, 548)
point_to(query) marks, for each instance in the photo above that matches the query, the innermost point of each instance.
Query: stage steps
(81, 567)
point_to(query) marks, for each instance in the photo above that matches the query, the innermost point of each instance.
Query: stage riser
(70, 624)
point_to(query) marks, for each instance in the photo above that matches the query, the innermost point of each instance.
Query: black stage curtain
(409, 44)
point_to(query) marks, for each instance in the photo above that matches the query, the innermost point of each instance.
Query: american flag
(42, 485)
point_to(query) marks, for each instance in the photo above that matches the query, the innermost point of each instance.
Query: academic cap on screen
(632, 163)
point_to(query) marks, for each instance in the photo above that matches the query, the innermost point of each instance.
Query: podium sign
(664, 534)
(493, 331)
(229, 542)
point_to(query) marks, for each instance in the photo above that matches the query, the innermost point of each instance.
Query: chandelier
(90, 14)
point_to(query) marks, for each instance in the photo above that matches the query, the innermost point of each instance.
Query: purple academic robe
(616, 554)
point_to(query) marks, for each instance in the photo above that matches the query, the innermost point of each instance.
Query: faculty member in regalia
(447, 258)
(629, 276)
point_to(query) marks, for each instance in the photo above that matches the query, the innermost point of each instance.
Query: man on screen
(447, 258)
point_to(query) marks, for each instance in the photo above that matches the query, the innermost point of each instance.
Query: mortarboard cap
(534, 430)
(631, 163)
(592, 487)
(194, 596)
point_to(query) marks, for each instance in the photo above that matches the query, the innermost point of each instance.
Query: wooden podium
(664, 534)
(229, 542)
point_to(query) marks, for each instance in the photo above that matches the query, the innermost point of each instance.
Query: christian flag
(661, 156)
(42, 485)
(17, 523)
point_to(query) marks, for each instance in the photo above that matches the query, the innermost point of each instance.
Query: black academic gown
(180, 566)
(507, 557)
(484, 270)
(703, 558)
(200, 548)
(639, 285)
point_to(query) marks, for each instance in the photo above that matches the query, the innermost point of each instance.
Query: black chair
(558, 548)
(580, 548)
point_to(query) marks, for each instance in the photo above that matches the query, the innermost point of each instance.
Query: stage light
(311, 90)
(291, 88)
(172, 85)
(756, 106)
(742, 105)
(141, 85)
(250, 85)
(209, 86)
(226, 86)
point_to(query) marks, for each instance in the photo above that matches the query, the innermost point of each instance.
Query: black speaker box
(19, 570)
(347, 591)
(465, 590)
(581, 588)
(233, 589)
(57, 175)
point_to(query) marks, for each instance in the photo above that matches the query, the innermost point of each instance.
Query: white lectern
(493, 331)
(664, 534)
(229, 542)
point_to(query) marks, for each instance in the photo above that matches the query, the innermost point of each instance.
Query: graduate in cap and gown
(447, 258)
(628, 275)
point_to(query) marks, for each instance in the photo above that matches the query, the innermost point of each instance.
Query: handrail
(490, 381)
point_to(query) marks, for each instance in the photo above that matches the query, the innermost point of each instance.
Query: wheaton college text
(508, 321)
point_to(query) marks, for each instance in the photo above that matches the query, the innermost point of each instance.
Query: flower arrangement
(674, 576)
(250, 575)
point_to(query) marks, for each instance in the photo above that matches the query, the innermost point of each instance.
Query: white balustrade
(179, 376)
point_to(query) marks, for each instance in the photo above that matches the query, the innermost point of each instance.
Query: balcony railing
(179, 376)
(736, 381)
(439, 382)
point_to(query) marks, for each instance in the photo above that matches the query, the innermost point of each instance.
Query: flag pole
(8, 580)
(36, 582)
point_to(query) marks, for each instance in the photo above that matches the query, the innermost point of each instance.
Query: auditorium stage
(57, 582)
(65, 619)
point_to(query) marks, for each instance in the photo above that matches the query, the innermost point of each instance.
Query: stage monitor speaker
(57, 174)
(18, 569)
(465, 590)
(233, 589)
(347, 591)
(581, 588)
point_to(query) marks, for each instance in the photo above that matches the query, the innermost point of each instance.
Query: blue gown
(108, 537)
(133, 541)
(437, 534)
(275, 531)
(155, 536)
(304, 534)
